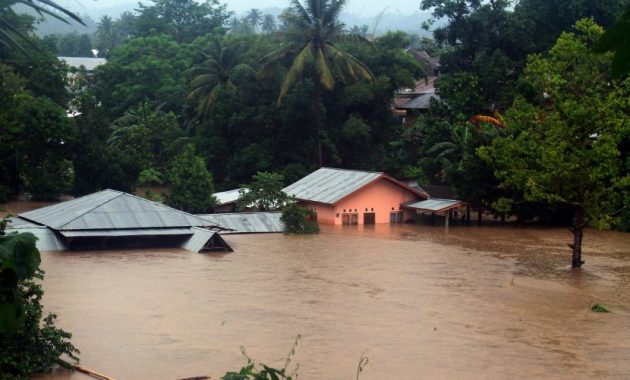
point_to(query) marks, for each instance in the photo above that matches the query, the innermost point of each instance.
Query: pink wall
(381, 196)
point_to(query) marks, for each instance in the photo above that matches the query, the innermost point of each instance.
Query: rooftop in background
(434, 191)
(229, 196)
(111, 209)
(328, 185)
(90, 63)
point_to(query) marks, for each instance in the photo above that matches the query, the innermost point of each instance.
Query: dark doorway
(349, 219)
(369, 218)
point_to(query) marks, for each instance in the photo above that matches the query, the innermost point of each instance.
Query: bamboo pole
(87, 371)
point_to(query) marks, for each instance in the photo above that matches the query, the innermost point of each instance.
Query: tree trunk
(577, 228)
(320, 161)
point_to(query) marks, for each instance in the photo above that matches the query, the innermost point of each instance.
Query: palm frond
(299, 9)
(296, 69)
(325, 75)
(348, 65)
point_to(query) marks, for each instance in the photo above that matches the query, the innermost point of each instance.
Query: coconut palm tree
(9, 32)
(312, 33)
(254, 18)
(106, 34)
(214, 74)
(268, 24)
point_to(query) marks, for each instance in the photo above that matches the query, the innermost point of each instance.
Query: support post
(446, 218)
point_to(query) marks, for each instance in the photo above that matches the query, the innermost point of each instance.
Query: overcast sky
(358, 7)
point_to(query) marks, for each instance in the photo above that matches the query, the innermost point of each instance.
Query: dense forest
(187, 85)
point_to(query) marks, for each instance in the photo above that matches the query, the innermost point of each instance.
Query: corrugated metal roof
(247, 222)
(435, 205)
(130, 232)
(47, 240)
(328, 185)
(203, 239)
(111, 209)
(90, 63)
(229, 196)
(17, 222)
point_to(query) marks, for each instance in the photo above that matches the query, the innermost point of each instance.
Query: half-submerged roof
(328, 185)
(111, 209)
(247, 222)
(435, 205)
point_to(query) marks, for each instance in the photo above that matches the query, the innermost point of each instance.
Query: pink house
(341, 196)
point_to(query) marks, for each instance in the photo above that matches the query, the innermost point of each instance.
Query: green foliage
(183, 20)
(253, 371)
(563, 148)
(29, 342)
(19, 261)
(599, 308)
(299, 219)
(264, 191)
(149, 177)
(144, 69)
(191, 184)
(616, 39)
(36, 124)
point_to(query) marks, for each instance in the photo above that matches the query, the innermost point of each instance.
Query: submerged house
(342, 197)
(114, 219)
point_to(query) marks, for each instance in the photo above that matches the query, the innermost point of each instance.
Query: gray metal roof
(422, 101)
(111, 209)
(229, 196)
(130, 232)
(202, 239)
(47, 240)
(17, 222)
(435, 205)
(328, 185)
(90, 63)
(247, 222)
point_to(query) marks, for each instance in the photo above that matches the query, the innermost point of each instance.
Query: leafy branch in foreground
(253, 371)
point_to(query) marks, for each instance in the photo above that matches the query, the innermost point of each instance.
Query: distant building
(431, 64)
(342, 197)
(410, 102)
(90, 63)
(112, 219)
(227, 200)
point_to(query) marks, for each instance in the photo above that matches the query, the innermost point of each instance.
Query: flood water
(421, 302)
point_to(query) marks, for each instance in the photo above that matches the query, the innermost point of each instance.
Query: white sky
(357, 7)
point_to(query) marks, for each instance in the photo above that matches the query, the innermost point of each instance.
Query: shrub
(299, 219)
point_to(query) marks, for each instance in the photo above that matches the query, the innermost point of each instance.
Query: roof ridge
(350, 170)
(163, 205)
(93, 208)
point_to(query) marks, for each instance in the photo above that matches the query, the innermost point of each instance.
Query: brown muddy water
(421, 302)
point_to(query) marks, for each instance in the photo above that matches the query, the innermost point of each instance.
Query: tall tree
(562, 147)
(183, 20)
(214, 73)
(314, 29)
(268, 24)
(106, 35)
(254, 18)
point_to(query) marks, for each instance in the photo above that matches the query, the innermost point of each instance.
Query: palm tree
(269, 24)
(106, 35)
(254, 17)
(313, 30)
(213, 75)
(9, 31)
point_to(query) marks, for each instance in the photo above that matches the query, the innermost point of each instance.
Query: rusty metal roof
(111, 209)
